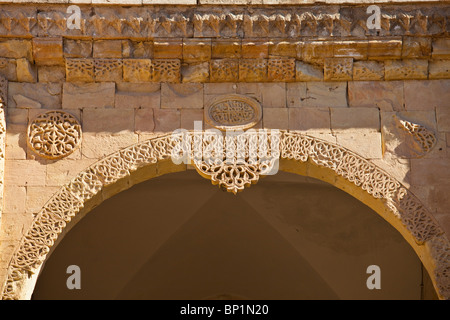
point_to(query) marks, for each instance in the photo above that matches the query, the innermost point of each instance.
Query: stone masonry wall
(319, 70)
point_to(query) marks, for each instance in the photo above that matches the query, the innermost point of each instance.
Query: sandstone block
(253, 70)
(80, 70)
(430, 172)
(15, 146)
(8, 69)
(405, 69)
(48, 51)
(443, 119)
(77, 48)
(276, 118)
(15, 199)
(367, 145)
(38, 196)
(144, 121)
(167, 120)
(89, 95)
(46, 94)
(138, 95)
(384, 49)
(51, 74)
(368, 70)
(295, 94)
(184, 95)
(273, 95)
(415, 47)
(107, 49)
(224, 70)
(16, 49)
(25, 103)
(439, 69)
(326, 94)
(17, 119)
(107, 120)
(24, 173)
(226, 49)
(427, 95)
(316, 51)
(309, 119)
(308, 72)
(257, 49)
(338, 69)
(96, 146)
(355, 119)
(196, 50)
(108, 70)
(25, 71)
(189, 116)
(281, 70)
(168, 49)
(351, 49)
(137, 70)
(387, 96)
(441, 48)
(137, 49)
(285, 49)
(195, 72)
(61, 172)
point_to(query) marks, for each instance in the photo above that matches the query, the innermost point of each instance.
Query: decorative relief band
(54, 134)
(65, 204)
(233, 112)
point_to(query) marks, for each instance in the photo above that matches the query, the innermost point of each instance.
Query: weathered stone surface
(273, 95)
(316, 51)
(252, 70)
(62, 171)
(77, 48)
(107, 49)
(439, 69)
(195, 50)
(308, 72)
(195, 72)
(185, 95)
(224, 70)
(285, 49)
(167, 120)
(8, 69)
(17, 119)
(16, 49)
(137, 49)
(96, 146)
(415, 47)
(430, 172)
(405, 69)
(15, 145)
(46, 94)
(367, 145)
(144, 121)
(258, 49)
(25, 103)
(51, 74)
(104, 120)
(387, 96)
(295, 94)
(15, 199)
(385, 49)
(138, 95)
(80, 70)
(368, 70)
(427, 95)
(25, 173)
(281, 69)
(48, 51)
(325, 94)
(338, 69)
(37, 197)
(276, 118)
(355, 119)
(351, 49)
(226, 49)
(309, 119)
(441, 48)
(168, 49)
(25, 71)
(443, 118)
(137, 70)
(89, 95)
(108, 70)
(188, 118)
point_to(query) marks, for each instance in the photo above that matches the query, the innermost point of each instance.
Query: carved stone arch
(298, 153)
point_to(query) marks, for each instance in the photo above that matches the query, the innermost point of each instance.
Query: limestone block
(195, 50)
(184, 95)
(88, 95)
(189, 116)
(107, 49)
(48, 51)
(51, 74)
(108, 70)
(46, 94)
(441, 48)
(224, 70)
(8, 69)
(281, 69)
(367, 144)
(25, 71)
(59, 173)
(77, 48)
(144, 121)
(107, 120)
(430, 172)
(276, 118)
(167, 120)
(80, 70)
(96, 146)
(15, 146)
(195, 72)
(285, 49)
(368, 70)
(427, 95)
(309, 119)
(326, 94)
(385, 49)
(438, 69)
(138, 95)
(355, 119)
(16, 49)
(226, 49)
(257, 49)
(338, 69)
(25, 173)
(308, 72)
(415, 47)
(386, 95)
(168, 48)
(38, 196)
(406, 69)
(137, 70)
(295, 94)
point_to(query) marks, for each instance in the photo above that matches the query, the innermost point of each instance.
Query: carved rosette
(233, 112)
(244, 166)
(54, 134)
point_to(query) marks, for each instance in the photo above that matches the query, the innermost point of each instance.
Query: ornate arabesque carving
(54, 134)
(65, 204)
(423, 139)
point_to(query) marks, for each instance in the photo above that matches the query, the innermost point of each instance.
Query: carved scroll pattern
(62, 207)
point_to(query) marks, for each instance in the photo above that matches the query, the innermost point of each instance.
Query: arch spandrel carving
(400, 207)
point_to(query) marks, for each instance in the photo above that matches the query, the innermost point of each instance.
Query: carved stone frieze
(54, 134)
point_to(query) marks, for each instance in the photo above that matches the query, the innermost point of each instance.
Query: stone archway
(298, 153)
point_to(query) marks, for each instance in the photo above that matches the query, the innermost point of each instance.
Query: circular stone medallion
(54, 134)
(233, 112)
